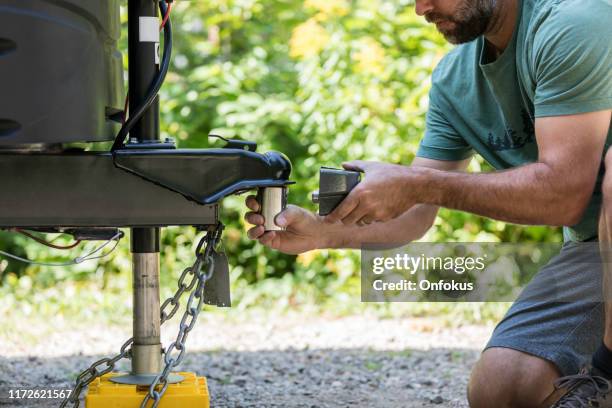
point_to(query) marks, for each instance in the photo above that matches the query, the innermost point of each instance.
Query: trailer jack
(116, 191)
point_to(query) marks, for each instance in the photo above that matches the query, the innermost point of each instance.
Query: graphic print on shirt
(511, 139)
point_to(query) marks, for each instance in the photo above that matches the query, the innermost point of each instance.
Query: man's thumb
(287, 217)
(355, 165)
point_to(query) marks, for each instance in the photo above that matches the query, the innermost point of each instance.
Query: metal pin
(273, 201)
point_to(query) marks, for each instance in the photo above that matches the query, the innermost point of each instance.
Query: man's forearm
(410, 226)
(532, 194)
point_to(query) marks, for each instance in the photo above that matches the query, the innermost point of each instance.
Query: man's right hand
(303, 232)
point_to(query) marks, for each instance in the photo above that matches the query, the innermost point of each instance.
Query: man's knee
(506, 378)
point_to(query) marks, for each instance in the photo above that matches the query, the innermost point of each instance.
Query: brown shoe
(587, 389)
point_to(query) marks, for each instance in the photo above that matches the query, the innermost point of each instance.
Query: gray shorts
(559, 315)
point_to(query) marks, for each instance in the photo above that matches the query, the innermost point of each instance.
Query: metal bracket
(237, 144)
(207, 175)
(217, 288)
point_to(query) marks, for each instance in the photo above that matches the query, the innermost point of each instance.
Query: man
(530, 89)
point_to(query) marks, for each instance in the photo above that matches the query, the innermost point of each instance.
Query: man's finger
(251, 203)
(356, 165)
(275, 242)
(367, 220)
(256, 232)
(254, 218)
(344, 209)
(364, 221)
(266, 239)
(289, 216)
(357, 214)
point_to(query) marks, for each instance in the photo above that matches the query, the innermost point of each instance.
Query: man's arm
(305, 231)
(555, 190)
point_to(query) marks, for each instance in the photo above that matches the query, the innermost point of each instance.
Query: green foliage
(324, 82)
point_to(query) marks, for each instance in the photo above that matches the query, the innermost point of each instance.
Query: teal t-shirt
(559, 62)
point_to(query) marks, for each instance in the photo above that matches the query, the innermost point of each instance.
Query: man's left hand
(387, 192)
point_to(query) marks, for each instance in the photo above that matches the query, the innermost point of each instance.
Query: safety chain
(198, 280)
(202, 258)
(90, 374)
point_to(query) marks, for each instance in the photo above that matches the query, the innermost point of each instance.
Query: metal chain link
(91, 373)
(198, 280)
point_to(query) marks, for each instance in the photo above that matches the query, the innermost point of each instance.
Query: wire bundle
(135, 114)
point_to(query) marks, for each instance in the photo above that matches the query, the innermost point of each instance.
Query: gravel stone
(277, 361)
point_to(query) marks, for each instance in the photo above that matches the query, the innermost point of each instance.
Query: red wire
(166, 17)
(42, 241)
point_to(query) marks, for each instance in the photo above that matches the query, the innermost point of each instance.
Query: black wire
(154, 88)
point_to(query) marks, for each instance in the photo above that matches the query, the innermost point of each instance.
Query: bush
(323, 81)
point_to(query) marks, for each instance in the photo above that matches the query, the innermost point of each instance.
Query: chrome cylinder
(146, 350)
(273, 200)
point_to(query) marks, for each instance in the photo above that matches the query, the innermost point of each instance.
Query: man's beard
(470, 20)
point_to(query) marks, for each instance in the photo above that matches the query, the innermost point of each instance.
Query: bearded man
(529, 88)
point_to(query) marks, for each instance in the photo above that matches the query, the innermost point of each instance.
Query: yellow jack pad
(192, 392)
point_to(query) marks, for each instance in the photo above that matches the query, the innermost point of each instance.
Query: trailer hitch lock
(334, 186)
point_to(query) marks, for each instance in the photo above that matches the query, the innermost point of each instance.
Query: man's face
(459, 21)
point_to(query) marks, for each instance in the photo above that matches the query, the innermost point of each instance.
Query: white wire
(78, 259)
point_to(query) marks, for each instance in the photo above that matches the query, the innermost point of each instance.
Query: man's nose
(423, 7)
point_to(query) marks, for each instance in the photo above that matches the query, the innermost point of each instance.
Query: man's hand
(386, 193)
(304, 230)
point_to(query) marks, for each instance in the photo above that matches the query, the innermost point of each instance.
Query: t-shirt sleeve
(441, 140)
(572, 59)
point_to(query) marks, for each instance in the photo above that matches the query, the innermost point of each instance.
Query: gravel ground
(288, 361)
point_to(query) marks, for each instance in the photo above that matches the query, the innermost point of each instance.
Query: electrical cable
(155, 85)
(79, 259)
(167, 16)
(161, 27)
(126, 105)
(46, 243)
